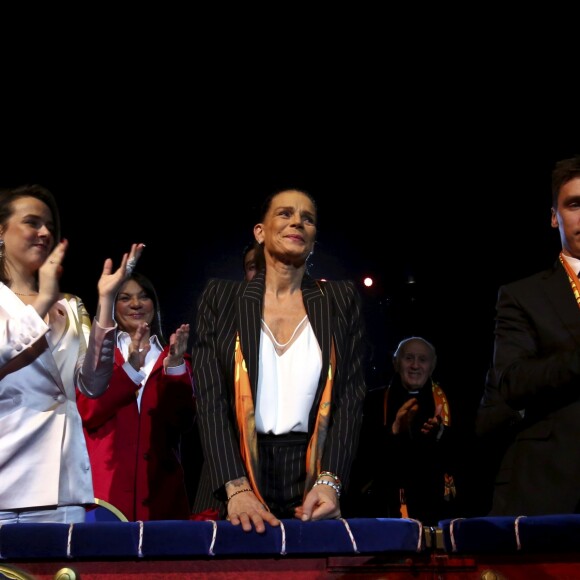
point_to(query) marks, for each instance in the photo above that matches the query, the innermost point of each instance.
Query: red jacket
(135, 455)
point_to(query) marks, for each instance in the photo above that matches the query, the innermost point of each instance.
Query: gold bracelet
(239, 491)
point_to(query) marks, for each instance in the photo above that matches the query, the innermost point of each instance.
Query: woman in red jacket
(133, 430)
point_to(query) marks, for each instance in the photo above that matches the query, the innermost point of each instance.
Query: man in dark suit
(532, 393)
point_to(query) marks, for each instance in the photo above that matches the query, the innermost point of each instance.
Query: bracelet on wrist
(334, 486)
(238, 491)
(330, 474)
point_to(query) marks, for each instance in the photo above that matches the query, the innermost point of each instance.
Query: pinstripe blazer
(227, 307)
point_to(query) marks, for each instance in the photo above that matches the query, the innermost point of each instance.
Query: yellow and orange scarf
(247, 423)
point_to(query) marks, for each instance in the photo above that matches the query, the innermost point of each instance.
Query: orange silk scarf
(247, 423)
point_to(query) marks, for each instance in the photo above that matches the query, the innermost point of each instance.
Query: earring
(1, 248)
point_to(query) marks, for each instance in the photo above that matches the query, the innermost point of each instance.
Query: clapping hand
(405, 416)
(139, 346)
(433, 424)
(48, 278)
(177, 346)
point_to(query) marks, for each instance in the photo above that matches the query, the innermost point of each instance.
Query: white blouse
(287, 381)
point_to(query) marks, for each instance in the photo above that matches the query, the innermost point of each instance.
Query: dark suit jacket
(226, 307)
(536, 372)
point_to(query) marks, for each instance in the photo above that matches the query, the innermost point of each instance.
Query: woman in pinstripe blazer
(279, 369)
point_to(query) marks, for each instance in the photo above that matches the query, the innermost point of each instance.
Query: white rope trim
(69, 542)
(140, 547)
(213, 537)
(283, 531)
(420, 536)
(517, 530)
(354, 546)
(452, 534)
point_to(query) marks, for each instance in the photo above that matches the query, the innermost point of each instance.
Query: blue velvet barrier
(500, 535)
(104, 540)
(477, 535)
(30, 541)
(501, 547)
(194, 539)
(556, 534)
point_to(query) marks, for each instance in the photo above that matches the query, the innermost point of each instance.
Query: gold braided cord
(572, 278)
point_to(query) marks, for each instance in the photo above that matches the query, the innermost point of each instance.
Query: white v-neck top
(288, 378)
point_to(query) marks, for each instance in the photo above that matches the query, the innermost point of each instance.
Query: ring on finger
(131, 263)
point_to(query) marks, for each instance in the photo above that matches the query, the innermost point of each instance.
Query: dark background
(438, 227)
(441, 198)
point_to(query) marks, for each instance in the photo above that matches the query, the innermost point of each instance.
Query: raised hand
(110, 282)
(48, 278)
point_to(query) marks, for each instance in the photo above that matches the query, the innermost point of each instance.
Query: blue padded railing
(191, 539)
